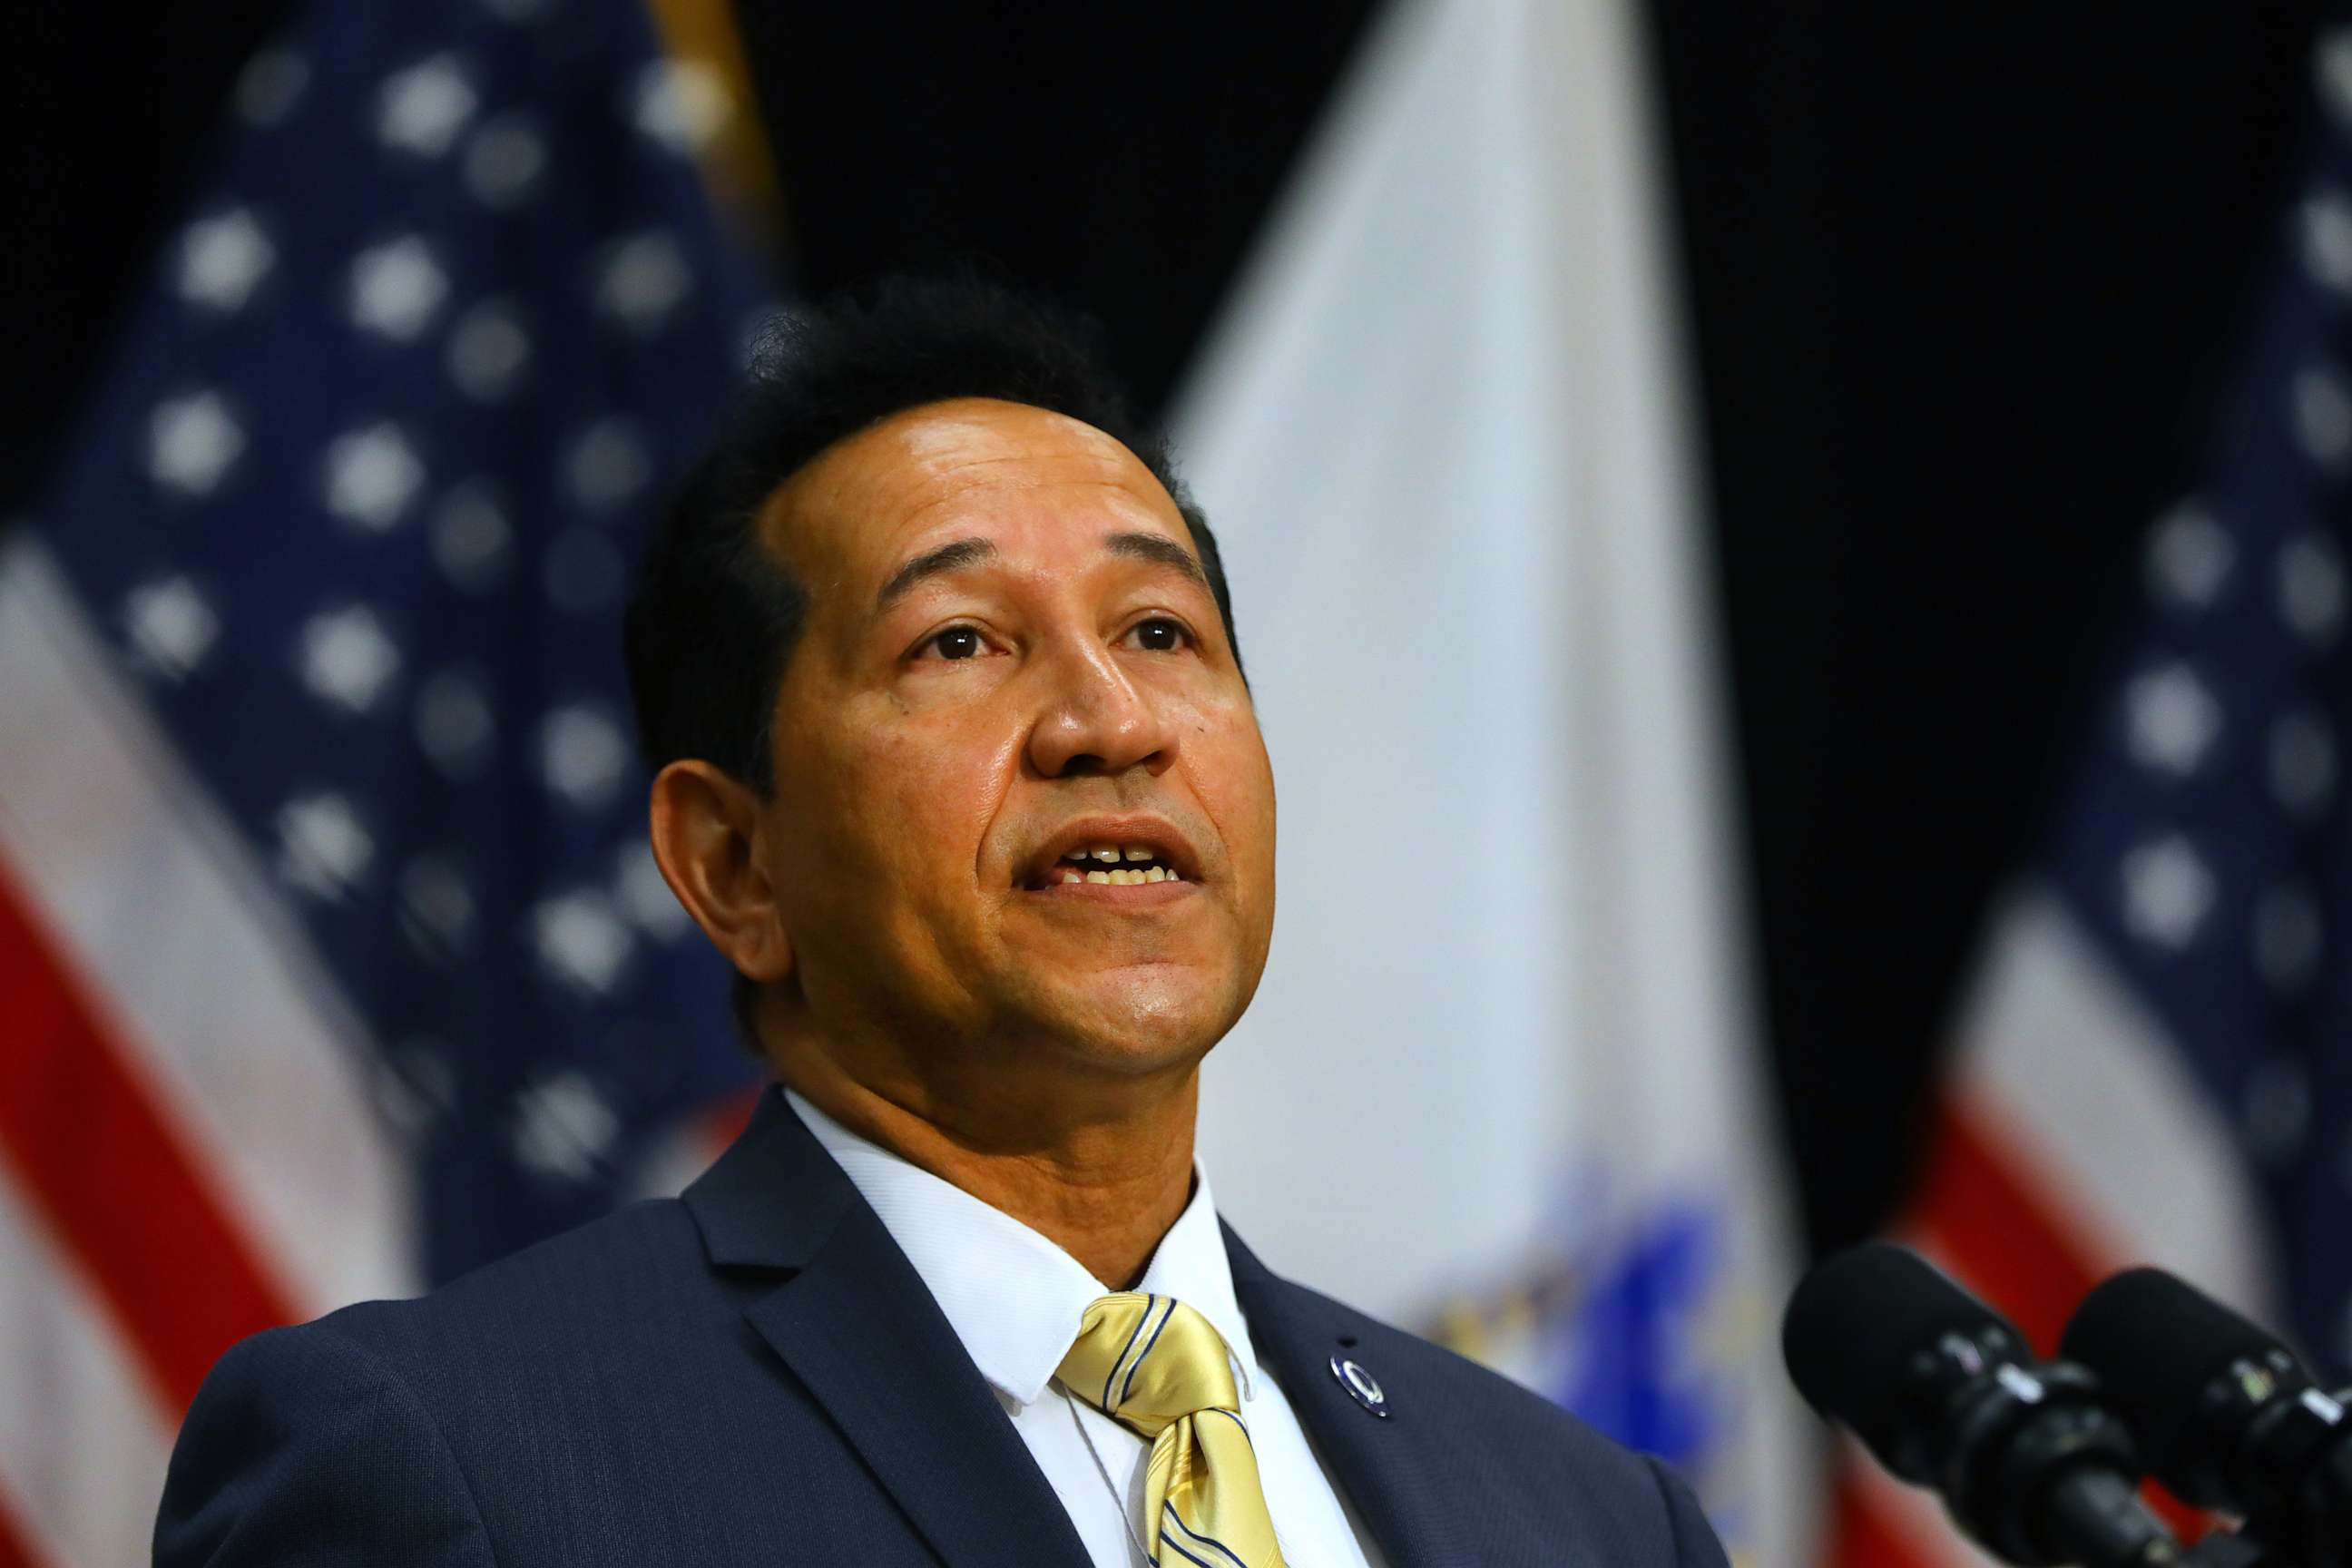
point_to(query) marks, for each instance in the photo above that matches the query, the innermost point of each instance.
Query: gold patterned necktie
(1155, 1365)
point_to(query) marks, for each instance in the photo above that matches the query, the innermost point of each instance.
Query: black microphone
(1943, 1391)
(2228, 1417)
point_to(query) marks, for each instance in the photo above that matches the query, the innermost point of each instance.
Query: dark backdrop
(1963, 281)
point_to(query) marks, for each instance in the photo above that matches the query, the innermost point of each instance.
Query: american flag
(2157, 1064)
(333, 958)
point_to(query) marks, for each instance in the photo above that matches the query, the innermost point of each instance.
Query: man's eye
(1161, 634)
(957, 641)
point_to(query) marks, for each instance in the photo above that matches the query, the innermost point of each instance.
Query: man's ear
(705, 824)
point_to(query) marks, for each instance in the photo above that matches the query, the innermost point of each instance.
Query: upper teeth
(1110, 853)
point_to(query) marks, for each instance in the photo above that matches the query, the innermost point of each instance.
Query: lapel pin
(1361, 1386)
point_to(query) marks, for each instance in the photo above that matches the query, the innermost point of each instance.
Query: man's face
(1010, 653)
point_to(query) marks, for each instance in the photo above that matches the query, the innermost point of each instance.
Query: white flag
(1501, 1079)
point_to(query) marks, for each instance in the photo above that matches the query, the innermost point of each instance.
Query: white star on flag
(191, 441)
(2166, 890)
(421, 109)
(170, 625)
(580, 941)
(581, 754)
(223, 259)
(372, 476)
(681, 104)
(346, 658)
(396, 287)
(644, 279)
(563, 1127)
(2174, 719)
(489, 350)
(504, 161)
(323, 848)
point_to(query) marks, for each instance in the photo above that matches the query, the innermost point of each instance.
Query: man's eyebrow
(951, 557)
(1159, 548)
(956, 555)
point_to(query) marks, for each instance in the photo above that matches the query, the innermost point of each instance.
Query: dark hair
(715, 614)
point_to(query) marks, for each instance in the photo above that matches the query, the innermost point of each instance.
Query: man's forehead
(946, 438)
(871, 496)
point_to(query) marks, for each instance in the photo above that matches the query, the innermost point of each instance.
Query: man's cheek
(917, 764)
(925, 858)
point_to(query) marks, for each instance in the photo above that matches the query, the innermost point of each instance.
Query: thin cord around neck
(1103, 1470)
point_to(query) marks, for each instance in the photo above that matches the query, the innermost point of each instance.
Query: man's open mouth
(1115, 864)
(1124, 849)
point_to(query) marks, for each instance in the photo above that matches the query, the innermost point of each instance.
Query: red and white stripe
(188, 1150)
(2070, 1141)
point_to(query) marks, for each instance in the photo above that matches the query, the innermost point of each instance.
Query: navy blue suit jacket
(754, 1374)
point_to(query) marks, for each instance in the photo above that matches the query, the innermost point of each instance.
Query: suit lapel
(857, 1326)
(1387, 1468)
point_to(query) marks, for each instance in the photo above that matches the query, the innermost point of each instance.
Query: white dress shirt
(1016, 1301)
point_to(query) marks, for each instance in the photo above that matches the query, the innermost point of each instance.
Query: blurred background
(1790, 559)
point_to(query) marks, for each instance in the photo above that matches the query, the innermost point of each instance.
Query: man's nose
(1096, 720)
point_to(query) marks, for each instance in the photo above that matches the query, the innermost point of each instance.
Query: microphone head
(2155, 1343)
(1856, 1326)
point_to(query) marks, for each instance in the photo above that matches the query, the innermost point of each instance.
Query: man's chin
(1144, 1025)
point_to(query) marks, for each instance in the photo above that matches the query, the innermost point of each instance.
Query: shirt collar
(1013, 1298)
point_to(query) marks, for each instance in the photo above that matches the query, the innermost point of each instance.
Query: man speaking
(958, 766)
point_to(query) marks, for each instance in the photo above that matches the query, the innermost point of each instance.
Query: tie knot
(1147, 1361)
